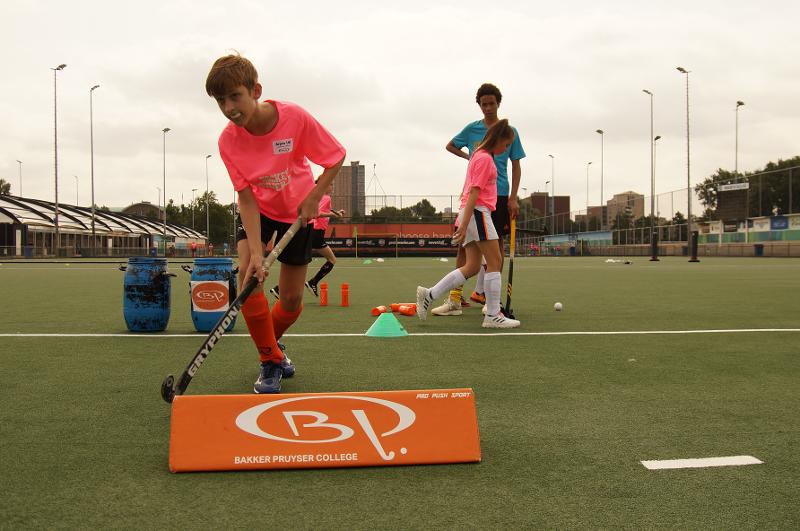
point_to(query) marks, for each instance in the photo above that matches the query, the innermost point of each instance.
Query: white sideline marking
(483, 334)
(703, 462)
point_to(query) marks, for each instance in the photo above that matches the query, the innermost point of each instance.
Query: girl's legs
(454, 278)
(491, 252)
(326, 268)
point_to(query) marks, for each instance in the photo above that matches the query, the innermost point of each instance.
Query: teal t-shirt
(473, 134)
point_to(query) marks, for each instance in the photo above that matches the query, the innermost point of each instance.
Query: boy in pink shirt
(266, 148)
(476, 232)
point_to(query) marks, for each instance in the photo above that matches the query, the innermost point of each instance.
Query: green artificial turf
(564, 419)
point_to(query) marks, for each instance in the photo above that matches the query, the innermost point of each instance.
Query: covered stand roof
(35, 212)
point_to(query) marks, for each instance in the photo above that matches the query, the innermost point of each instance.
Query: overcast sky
(394, 84)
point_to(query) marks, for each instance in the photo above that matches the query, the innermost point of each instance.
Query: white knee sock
(492, 283)
(451, 280)
(480, 282)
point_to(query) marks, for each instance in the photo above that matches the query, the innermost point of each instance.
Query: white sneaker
(499, 321)
(485, 309)
(450, 307)
(424, 301)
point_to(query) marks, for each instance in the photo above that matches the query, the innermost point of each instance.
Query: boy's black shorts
(298, 252)
(500, 217)
(318, 239)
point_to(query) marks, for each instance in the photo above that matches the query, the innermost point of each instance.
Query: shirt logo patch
(282, 146)
(277, 181)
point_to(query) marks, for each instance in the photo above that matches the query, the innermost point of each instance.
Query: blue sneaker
(286, 364)
(269, 379)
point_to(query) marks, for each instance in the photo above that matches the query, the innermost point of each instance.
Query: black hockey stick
(168, 387)
(507, 311)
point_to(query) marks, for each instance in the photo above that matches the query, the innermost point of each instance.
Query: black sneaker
(269, 378)
(312, 288)
(275, 293)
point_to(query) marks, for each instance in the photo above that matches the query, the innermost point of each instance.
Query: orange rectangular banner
(321, 430)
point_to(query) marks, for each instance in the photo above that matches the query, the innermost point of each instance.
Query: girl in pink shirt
(318, 240)
(266, 148)
(475, 231)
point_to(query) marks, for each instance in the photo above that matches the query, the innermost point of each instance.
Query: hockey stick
(507, 310)
(168, 387)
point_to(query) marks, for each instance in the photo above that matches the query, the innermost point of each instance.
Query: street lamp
(546, 206)
(76, 190)
(91, 156)
(20, 177)
(689, 236)
(193, 191)
(164, 139)
(55, 146)
(602, 150)
(159, 199)
(736, 162)
(208, 227)
(653, 242)
(655, 152)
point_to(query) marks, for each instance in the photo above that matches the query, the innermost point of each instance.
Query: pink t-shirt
(481, 173)
(275, 166)
(321, 223)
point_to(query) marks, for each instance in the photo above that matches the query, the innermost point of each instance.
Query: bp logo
(210, 296)
(322, 419)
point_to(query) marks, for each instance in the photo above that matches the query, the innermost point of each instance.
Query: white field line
(433, 334)
(703, 462)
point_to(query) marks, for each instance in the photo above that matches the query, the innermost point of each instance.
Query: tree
(425, 211)
(768, 192)
(5, 187)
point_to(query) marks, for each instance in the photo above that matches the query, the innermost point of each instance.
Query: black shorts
(298, 252)
(500, 217)
(318, 239)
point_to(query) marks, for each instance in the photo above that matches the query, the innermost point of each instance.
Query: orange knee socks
(281, 319)
(259, 322)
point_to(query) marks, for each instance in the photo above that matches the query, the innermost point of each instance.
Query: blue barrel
(211, 290)
(146, 294)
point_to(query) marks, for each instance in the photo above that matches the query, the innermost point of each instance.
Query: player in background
(266, 147)
(488, 98)
(320, 225)
(475, 230)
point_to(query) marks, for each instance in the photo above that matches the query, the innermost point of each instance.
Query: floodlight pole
(690, 243)
(602, 150)
(193, 191)
(653, 242)
(736, 158)
(55, 145)
(91, 157)
(20, 177)
(587, 194)
(164, 139)
(208, 226)
(553, 188)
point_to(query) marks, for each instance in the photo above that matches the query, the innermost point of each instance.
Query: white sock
(451, 280)
(492, 283)
(480, 281)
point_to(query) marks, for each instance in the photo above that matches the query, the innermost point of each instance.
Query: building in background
(348, 190)
(627, 203)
